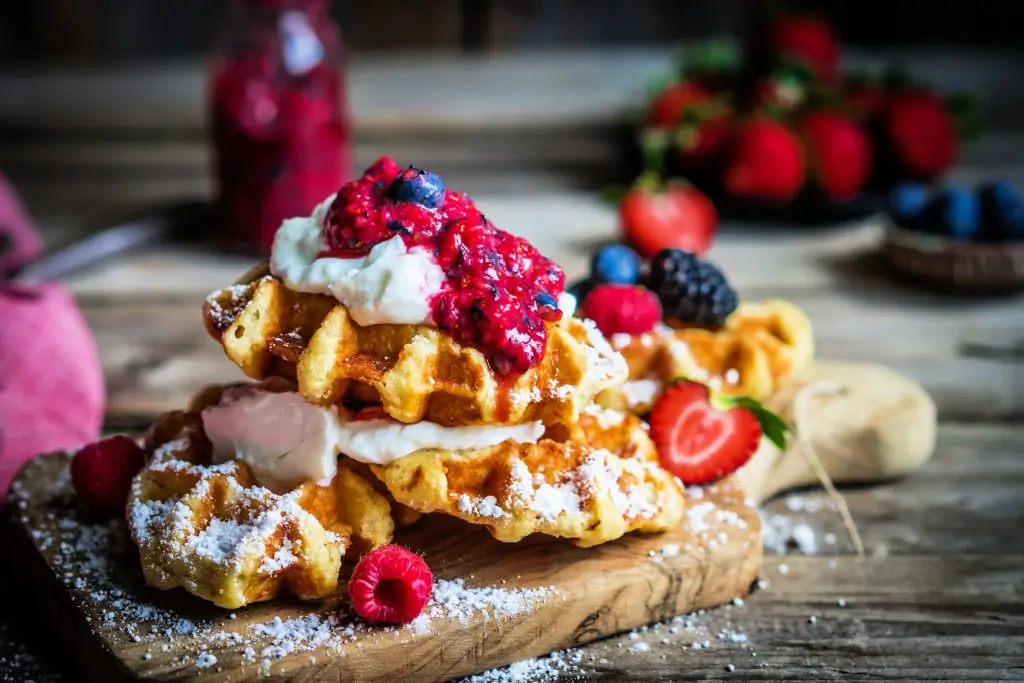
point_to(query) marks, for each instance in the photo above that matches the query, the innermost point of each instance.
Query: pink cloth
(51, 381)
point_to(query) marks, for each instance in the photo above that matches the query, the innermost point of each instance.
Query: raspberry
(390, 585)
(102, 472)
(622, 309)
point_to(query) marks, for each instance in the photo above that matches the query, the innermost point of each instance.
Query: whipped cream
(391, 284)
(286, 441)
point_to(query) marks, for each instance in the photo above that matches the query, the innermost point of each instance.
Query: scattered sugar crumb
(783, 569)
(205, 660)
(812, 619)
(564, 665)
(639, 647)
(841, 602)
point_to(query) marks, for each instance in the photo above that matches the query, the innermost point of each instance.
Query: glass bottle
(278, 117)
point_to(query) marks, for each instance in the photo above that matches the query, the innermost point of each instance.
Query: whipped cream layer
(287, 441)
(391, 284)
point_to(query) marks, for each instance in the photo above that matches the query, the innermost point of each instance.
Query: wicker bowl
(954, 266)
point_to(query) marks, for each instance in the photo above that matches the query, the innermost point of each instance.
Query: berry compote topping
(500, 291)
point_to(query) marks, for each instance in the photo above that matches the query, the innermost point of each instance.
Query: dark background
(41, 31)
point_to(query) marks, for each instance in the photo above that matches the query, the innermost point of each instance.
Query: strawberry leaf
(654, 145)
(772, 426)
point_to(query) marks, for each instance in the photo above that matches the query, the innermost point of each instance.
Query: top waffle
(760, 346)
(416, 372)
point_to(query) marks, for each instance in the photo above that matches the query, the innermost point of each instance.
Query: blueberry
(616, 264)
(545, 300)
(907, 201)
(1002, 211)
(955, 213)
(419, 187)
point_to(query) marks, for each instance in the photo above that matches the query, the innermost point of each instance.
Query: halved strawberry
(677, 216)
(699, 441)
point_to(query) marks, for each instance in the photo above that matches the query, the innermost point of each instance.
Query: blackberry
(691, 290)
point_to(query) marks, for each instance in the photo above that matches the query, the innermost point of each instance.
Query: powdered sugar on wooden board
(96, 562)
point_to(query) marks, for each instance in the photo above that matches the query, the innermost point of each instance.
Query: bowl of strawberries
(773, 131)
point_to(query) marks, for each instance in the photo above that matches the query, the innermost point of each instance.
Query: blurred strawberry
(865, 96)
(677, 215)
(920, 135)
(766, 162)
(669, 106)
(784, 89)
(809, 39)
(838, 153)
(701, 136)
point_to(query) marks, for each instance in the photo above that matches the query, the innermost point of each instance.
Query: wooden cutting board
(499, 603)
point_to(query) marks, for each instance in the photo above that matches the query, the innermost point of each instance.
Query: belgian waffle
(591, 490)
(414, 371)
(211, 530)
(760, 346)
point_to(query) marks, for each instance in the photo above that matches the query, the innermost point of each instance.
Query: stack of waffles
(234, 530)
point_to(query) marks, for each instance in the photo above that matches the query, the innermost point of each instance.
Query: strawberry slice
(677, 216)
(698, 442)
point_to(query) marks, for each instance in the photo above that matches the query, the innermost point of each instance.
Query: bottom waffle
(760, 347)
(212, 531)
(590, 491)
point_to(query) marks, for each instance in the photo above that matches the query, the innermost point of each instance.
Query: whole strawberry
(701, 136)
(838, 153)
(809, 39)
(655, 217)
(766, 162)
(622, 309)
(101, 473)
(920, 135)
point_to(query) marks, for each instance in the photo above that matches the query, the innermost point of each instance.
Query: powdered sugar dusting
(557, 666)
(640, 392)
(481, 507)
(606, 417)
(453, 599)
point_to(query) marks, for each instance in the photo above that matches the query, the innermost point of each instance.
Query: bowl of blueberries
(958, 239)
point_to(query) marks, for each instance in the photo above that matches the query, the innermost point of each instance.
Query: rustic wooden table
(941, 593)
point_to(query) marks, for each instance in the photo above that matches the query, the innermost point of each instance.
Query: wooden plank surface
(939, 598)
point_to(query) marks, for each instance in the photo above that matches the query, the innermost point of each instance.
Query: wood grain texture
(939, 599)
(597, 592)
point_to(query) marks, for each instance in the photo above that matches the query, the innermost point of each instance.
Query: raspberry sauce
(500, 291)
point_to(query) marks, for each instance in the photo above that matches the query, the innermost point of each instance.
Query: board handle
(864, 423)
